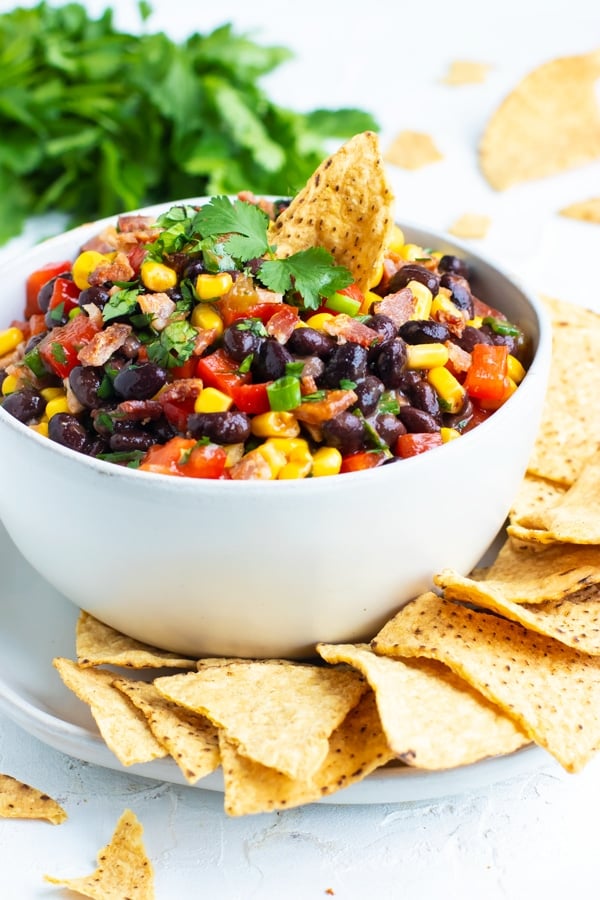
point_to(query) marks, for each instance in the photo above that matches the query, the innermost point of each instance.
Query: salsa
(184, 345)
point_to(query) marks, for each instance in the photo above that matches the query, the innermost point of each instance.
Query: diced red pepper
(37, 280)
(186, 370)
(486, 377)
(185, 456)
(60, 348)
(64, 293)
(220, 371)
(413, 444)
(251, 398)
(362, 459)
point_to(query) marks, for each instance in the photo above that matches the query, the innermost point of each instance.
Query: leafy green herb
(312, 273)
(294, 368)
(347, 385)
(316, 395)
(245, 364)
(140, 118)
(184, 456)
(120, 304)
(57, 312)
(245, 223)
(33, 360)
(174, 345)
(58, 352)
(500, 326)
(255, 326)
(129, 458)
(388, 403)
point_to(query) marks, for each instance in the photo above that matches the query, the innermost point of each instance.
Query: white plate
(38, 624)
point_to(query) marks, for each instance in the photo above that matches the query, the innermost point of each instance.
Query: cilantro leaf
(246, 224)
(120, 304)
(312, 273)
(174, 345)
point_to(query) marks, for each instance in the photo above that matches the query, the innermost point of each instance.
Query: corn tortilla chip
(575, 518)
(535, 496)
(470, 225)
(584, 211)
(22, 801)
(190, 739)
(356, 748)
(279, 714)
(122, 726)
(551, 691)
(346, 207)
(412, 150)
(98, 644)
(124, 871)
(463, 71)
(549, 123)
(431, 718)
(564, 313)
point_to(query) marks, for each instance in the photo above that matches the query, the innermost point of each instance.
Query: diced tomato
(185, 456)
(64, 294)
(59, 349)
(362, 459)
(220, 371)
(414, 443)
(251, 398)
(353, 291)
(37, 324)
(483, 309)
(37, 280)
(486, 377)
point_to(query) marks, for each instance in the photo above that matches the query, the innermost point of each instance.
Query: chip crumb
(584, 211)
(19, 800)
(412, 150)
(470, 225)
(462, 71)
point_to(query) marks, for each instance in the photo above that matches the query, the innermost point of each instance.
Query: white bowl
(264, 569)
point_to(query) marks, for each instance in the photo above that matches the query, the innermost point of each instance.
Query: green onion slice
(284, 393)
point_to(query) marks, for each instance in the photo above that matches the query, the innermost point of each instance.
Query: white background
(538, 833)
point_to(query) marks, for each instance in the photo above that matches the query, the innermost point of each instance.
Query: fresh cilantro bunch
(95, 121)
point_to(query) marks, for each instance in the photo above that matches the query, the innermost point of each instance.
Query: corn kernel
(318, 320)
(9, 385)
(295, 469)
(211, 287)
(86, 263)
(57, 405)
(475, 322)
(326, 461)
(275, 425)
(514, 369)
(377, 275)
(274, 458)
(212, 400)
(206, 318)
(396, 241)
(370, 298)
(41, 428)
(294, 447)
(443, 308)
(426, 356)
(450, 391)
(156, 276)
(410, 252)
(10, 340)
(50, 393)
(448, 434)
(423, 298)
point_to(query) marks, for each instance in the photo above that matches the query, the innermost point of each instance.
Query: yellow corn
(450, 391)
(396, 241)
(423, 297)
(370, 298)
(377, 275)
(57, 405)
(206, 318)
(295, 469)
(410, 252)
(514, 369)
(41, 428)
(318, 320)
(443, 307)
(275, 425)
(10, 340)
(449, 434)
(156, 276)
(86, 263)
(51, 393)
(475, 322)
(299, 457)
(9, 385)
(326, 461)
(275, 459)
(210, 287)
(426, 356)
(211, 400)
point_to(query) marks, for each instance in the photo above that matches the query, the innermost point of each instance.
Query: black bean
(310, 342)
(471, 336)
(231, 427)
(131, 347)
(347, 362)
(56, 316)
(67, 430)
(34, 341)
(417, 421)
(460, 419)
(388, 427)
(133, 438)
(391, 362)
(413, 272)
(25, 405)
(346, 432)
(369, 392)
(193, 268)
(162, 430)
(507, 340)
(85, 383)
(139, 381)
(240, 342)
(424, 331)
(460, 292)
(383, 325)
(95, 294)
(270, 360)
(424, 397)
(453, 264)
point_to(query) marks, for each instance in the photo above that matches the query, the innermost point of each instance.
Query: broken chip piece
(22, 801)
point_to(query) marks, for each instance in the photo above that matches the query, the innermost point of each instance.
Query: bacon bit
(180, 390)
(314, 412)
(94, 314)
(459, 360)
(252, 467)
(351, 330)
(454, 321)
(267, 206)
(102, 346)
(104, 242)
(131, 223)
(308, 385)
(73, 403)
(206, 337)
(398, 307)
(281, 325)
(140, 410)
(159, 306)
(117, 270)
(265, 296)
(10, 358)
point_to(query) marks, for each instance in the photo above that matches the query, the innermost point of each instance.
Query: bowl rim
(204, 485)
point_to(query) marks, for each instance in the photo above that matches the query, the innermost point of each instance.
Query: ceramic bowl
(265, 569)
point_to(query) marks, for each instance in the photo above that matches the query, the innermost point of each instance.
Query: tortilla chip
(412, 150)
(122, 726)
(345, 207)
(549, 123)
(470, 225)
(277, 713)
(98, 644)
(462, 71)
(575, 518)
(585, 211)
(190, 739)
(356, 748)
(21, 801)
(551, 691)
(535, 496)
(124, 870)
(563, 313)
(431, 718)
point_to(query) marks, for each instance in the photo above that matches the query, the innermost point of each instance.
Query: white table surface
(537, 833)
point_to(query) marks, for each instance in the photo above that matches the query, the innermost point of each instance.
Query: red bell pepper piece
(220, 371)
(64, 293)
(362, 459)
(37, 280)
(251, 398)
(60, 347)
(486, 376)
(185, 456)
(414, 443)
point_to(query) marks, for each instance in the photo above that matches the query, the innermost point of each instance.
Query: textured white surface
(534, 834)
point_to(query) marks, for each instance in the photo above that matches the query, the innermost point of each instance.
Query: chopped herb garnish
(255, 326)
(129, 458)
(295, 368)
(388, 403)
(284, 393)
(311, 273)
(58, 311)
(245, 364)
(34, 361)
(122, 303)
(501, 326)
(174, 345)
(316, 395)
(347, 385)
(58, 352)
